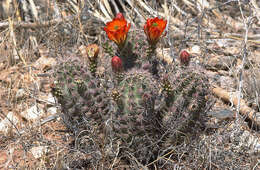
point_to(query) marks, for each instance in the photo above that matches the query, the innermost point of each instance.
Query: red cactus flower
(117, 29)
(117, 65)
(153, 29)
(184, 57)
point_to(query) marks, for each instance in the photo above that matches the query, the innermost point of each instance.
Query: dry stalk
(34, 24)
(238, 103)
(13, 38)
(241, 69)
(161, 157)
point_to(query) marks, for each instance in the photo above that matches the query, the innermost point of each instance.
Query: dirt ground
(222, 37)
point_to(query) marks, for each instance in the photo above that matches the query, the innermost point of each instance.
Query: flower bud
(185, 58)
(119, 16)
(116, 63)
(91, 51)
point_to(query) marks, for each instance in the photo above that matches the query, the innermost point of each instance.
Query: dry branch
(35, 24)
(244, 109)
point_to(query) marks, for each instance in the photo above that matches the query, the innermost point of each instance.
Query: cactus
(148, 107)
(80, 93)
(133, 93)
(135, 120)
(134, 53)
(185, 93)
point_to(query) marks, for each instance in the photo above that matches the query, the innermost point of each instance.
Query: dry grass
(216, 28)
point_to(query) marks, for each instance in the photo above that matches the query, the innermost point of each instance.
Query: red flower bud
(120, 16)
(117, 65)
(184, 57)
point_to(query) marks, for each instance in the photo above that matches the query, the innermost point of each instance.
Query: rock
(52, 110)
(222, 114)
(220, 62)
(7, 75)
(45, 86)
(47, 98)
(3, 158)
(195, 50)
(33, 113)
(165, 55)
(44, 63)
(226, 82)
(51, 98)
(221, 43)
(244, 141)
(251, 85)
(10, 121)
(20, 94)
(39, 151)
(255, 57)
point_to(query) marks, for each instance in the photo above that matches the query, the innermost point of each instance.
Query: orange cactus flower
(153, 29)
(117, 29)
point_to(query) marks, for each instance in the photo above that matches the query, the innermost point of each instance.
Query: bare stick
(241, 69)
(35, 24)
(237, 101)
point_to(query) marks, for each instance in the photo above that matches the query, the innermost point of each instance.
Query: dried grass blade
(34, 10)
(115, 6)
(104, 11)
(146, 7)
(256, 9)
(108, 7)
(133, 7)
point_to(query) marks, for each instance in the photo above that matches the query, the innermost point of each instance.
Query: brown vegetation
(222, 37)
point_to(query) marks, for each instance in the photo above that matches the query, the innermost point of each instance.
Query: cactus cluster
(185, 92)
(80, 94)
(142, 106)
(135, 116)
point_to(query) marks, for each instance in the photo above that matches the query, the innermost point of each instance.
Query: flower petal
(117, 29)
(153, 29)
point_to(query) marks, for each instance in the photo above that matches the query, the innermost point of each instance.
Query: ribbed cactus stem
(153, 60)
(92, 67)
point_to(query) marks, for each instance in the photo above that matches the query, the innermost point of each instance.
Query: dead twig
(243, 109)
(5, 24)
